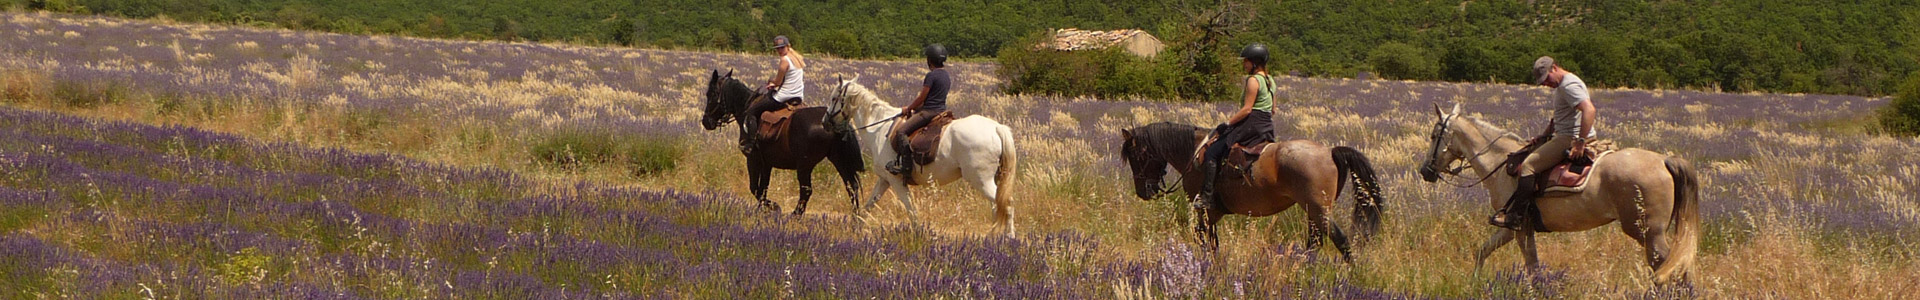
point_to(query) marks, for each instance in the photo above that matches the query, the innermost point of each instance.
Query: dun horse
(808, 140)
(1287, 173)
(974, 148)
(1654, 197)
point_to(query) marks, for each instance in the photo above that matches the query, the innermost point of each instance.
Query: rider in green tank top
(1249, 125)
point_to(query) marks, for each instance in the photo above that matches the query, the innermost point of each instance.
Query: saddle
(773, 123)
(1243, 156)
(923, 142)
(1570, 175)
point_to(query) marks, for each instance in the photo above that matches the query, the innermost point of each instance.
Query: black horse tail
(1368, 204)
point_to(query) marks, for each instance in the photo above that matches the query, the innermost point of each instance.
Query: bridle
(1440, 132)
(1146, 152)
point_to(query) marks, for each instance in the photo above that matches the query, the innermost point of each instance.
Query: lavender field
(292, 164)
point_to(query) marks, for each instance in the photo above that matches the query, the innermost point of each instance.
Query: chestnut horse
(1287, 173)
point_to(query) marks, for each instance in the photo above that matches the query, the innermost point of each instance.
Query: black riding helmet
(1256, 53)
(936, 55)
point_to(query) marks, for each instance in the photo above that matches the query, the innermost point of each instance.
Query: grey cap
(1541, 68)
(781, 42)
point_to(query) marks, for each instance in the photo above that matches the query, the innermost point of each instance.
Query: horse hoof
(770, 206)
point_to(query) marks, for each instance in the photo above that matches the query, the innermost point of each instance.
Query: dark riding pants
(759, 107)
(1256, 128)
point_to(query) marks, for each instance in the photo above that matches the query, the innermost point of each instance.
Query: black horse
(812, 136)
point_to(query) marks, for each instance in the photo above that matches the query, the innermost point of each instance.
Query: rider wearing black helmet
(931, 102)
(1251, 124)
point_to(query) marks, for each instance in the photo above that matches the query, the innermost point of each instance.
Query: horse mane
(1488, 130)
(1171, 141)
(864, 98)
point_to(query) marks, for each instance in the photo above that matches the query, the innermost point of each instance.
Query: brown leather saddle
(923, 142)
(773, 123)
(1243, 156)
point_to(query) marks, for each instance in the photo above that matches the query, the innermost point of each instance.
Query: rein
(1483, 151)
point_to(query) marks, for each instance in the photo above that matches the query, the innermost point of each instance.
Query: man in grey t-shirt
(1566, 136)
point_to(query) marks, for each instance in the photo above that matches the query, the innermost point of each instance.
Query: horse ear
(1437, 111)
(1456, 108)
(729, 73)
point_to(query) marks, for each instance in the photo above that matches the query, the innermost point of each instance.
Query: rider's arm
(1586, 119)
(918, 100)
(1246, 103)
(780, 76)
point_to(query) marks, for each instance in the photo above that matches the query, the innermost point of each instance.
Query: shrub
(1901, 116)
(87, 96)
(1395, 60)
(1105, 73)
(577, 148)
(653, 156)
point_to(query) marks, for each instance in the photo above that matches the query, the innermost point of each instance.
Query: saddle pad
(925, 141)
(1564, 180)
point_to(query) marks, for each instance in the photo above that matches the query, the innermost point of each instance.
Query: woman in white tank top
(790, 83)
(788, 86)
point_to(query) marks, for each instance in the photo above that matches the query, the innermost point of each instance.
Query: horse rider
(931, 102)
(788, 85)
(1249, 125)
(1566, 136)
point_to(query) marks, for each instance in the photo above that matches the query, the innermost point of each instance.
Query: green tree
(1395, 60)
(1902, 115)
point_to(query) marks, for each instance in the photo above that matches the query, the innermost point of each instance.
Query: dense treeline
(1851, 47)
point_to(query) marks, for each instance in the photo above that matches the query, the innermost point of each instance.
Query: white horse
(974, 148)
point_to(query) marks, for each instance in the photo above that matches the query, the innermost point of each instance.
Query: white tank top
(796, 84)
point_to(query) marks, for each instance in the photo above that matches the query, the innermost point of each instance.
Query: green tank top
(1263, 101)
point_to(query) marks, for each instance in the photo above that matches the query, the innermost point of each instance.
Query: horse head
(1441, 153)
(1149, 168)
(725, 100)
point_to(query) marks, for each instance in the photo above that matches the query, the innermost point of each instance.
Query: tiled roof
(1074, 39)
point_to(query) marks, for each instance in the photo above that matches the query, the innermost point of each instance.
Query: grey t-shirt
(1566, 106)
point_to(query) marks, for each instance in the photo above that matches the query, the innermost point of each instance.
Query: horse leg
(906, 199)
(1500, 238)
(1318, 227)
(850, 175)
(1653, 239)
(984, 183)
(758, 177)
(805, 177)
(880, 188)
(1528, 251)
(1209, 235)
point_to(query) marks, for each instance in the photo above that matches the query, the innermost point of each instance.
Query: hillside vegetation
(1844, 47)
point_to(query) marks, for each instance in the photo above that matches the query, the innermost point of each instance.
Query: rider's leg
(1543, 159)
(903, 161)
(752, 122)
(1210, 163)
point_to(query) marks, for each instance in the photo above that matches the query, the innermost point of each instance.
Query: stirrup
(1504, 220)
(899, 166)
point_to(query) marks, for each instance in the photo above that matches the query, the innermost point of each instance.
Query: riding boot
(901, 165)
(1209, 196)
(1515, 213)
